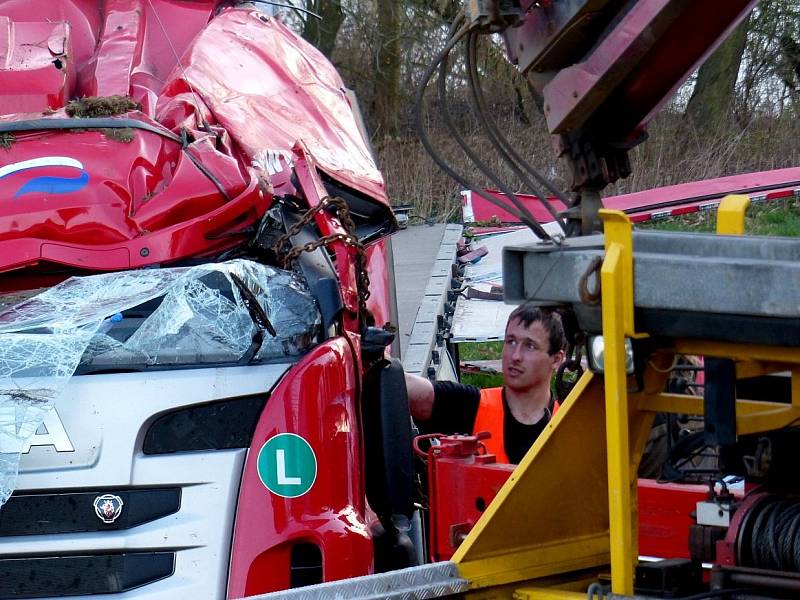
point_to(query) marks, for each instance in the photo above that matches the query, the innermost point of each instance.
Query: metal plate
(416, 583)
(689, 272)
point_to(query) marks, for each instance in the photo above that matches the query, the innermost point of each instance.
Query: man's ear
(558, 358)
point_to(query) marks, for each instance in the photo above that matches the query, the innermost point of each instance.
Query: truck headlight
(596, 355)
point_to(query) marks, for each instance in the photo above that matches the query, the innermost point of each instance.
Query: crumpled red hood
(269, 88)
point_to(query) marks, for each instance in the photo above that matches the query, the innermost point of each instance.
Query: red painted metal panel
(460, 487)
(316, 401)
(664, 517)
(380, 286)
(138, 46)
(83, 16)
(482, 210)
(638, 65)
(269, 88)
(151, 203)
(673, 200)
(346, 256)
(36, 67)
(692, 192)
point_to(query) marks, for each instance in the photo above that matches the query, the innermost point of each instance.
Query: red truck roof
(162, 159)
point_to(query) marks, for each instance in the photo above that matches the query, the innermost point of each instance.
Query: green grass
(482, 380)
(481, 351)
(774, 217)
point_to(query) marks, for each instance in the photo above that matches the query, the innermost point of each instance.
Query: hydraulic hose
(529, 219)
(456, 34)
(512, 158)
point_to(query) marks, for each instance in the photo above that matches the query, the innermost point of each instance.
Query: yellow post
(617, 298)
(730, 214)
(796, 387)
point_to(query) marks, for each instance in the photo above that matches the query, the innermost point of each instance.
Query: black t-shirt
(455, 407)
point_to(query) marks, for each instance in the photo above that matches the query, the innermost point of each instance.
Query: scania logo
(108, 507)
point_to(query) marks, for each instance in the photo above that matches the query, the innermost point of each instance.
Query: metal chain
(348, 239)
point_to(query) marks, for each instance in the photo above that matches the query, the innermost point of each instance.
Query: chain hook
(348, 238)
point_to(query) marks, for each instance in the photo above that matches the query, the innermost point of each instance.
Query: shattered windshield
(228, 313)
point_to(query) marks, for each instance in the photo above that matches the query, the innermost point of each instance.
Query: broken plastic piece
(474, 256)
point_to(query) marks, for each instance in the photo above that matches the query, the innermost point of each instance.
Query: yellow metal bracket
(540, 531)
(540, 523)
(730, 214)
(619, 252)
(617, 303)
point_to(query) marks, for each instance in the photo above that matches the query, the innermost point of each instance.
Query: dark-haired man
(516, 413)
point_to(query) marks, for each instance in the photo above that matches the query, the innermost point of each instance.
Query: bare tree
(323, 32)
(712, 98)
(387, 97)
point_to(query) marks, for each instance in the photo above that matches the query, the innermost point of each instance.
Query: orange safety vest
(490, 418)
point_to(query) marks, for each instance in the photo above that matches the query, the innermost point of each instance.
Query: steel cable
(790, 542)
(762, 547)
(771, 536)
(529, 220)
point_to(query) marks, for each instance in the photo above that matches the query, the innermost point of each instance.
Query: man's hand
(420, 397)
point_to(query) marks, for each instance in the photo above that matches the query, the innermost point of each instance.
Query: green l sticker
(287, 465)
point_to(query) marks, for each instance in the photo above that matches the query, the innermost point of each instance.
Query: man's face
(526, 362)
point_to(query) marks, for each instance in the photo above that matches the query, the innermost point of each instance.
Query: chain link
(348, 239)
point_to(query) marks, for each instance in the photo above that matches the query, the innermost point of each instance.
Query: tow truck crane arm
(604, 68)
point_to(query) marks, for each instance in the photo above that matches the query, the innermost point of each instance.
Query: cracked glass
(235, 312)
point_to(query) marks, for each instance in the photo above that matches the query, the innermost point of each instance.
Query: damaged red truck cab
(195, 170)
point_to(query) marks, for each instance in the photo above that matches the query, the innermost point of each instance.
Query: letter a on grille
(108, 507)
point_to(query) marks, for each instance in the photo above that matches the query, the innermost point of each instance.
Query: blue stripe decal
(54, 185)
